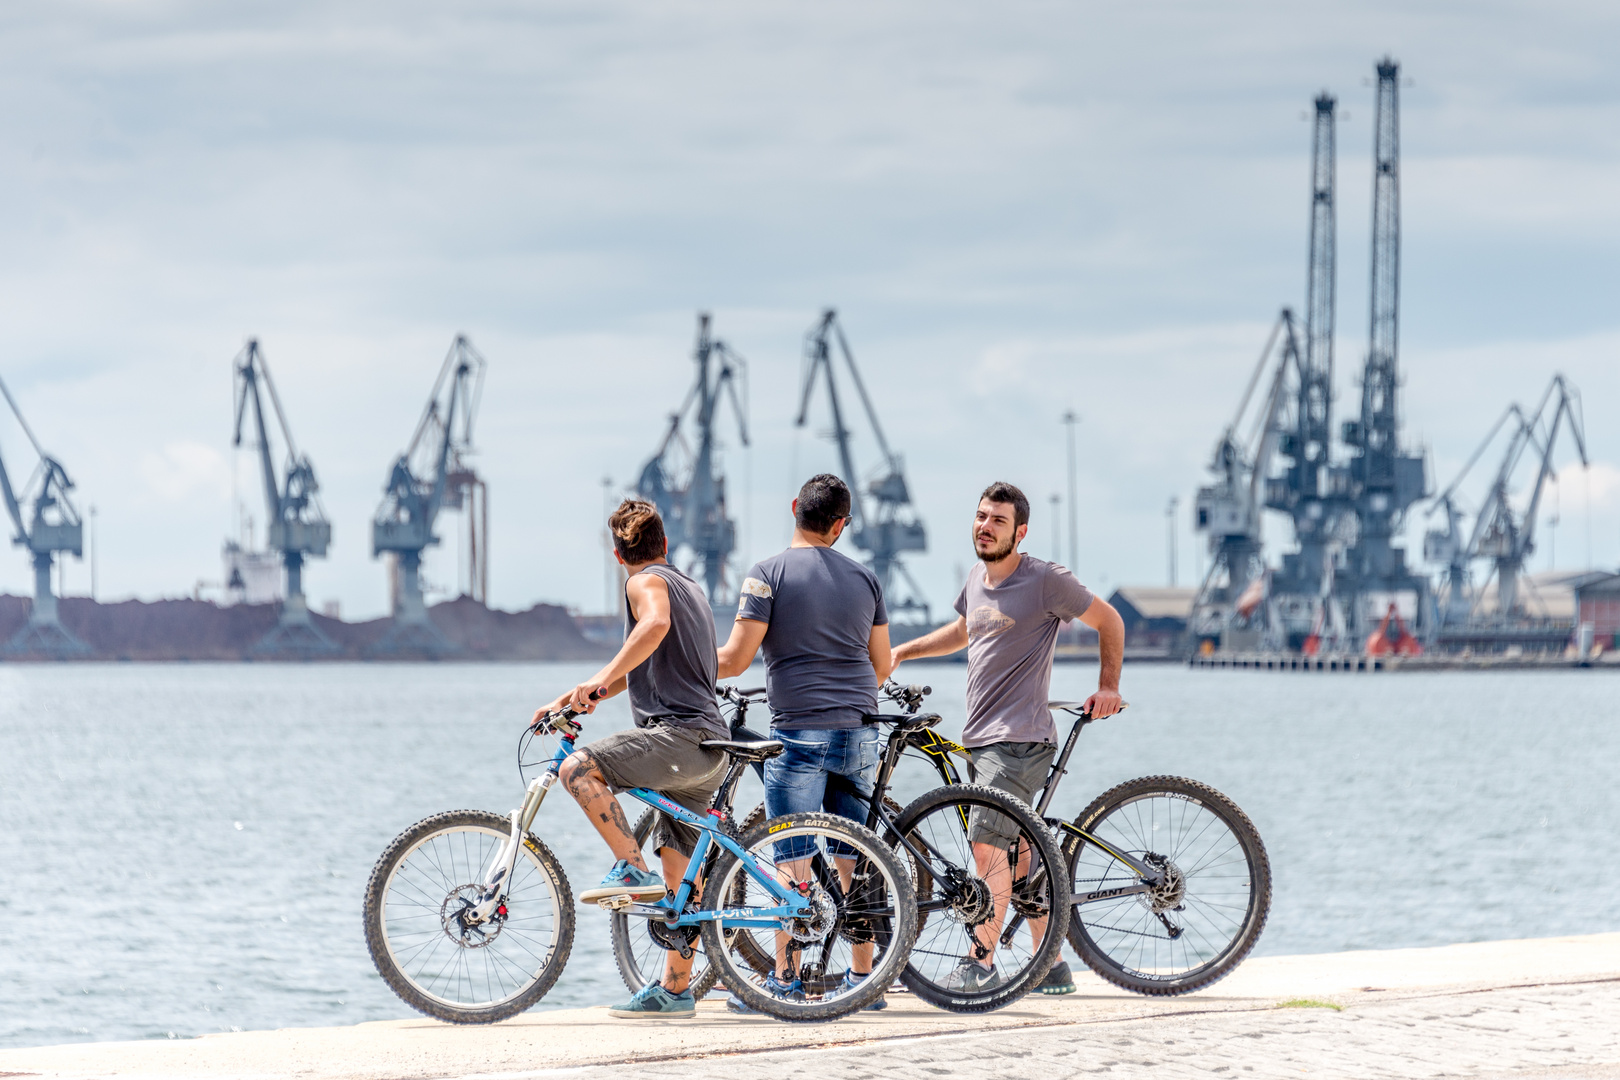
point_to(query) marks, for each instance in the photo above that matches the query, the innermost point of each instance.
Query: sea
(183, 848)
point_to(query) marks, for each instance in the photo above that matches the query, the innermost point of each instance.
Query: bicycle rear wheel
(640, 945)
(1210, 906)
(991, 888)
(428, 953)
(861, 899)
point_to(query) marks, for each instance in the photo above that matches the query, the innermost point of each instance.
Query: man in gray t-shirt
(820, 619)
(1008, 617)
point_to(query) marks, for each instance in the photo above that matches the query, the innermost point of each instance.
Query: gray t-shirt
(820, 607)
(676, 683)
(1012, 635)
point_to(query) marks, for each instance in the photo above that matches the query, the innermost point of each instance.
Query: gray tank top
(676, 683)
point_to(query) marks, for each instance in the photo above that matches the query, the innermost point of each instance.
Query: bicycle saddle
(746, 751)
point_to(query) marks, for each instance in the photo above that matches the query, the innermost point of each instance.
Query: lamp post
(1070, 419)
(1170, 535)
(1057, 529)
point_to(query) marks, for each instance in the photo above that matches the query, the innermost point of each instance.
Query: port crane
(1230, 510)
(885, 523)
(298, 527)
(1500, 533)
(686, 484)
(432, 474)
(46, 524)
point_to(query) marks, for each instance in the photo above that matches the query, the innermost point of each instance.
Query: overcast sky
(1018, 209)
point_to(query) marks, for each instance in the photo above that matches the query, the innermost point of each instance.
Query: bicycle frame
(791, 901)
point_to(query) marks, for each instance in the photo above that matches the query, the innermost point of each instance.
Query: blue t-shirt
(820, 607)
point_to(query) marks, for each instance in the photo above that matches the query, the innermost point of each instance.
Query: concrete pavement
(1495, 1008)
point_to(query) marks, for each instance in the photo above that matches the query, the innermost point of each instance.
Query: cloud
(183, 470)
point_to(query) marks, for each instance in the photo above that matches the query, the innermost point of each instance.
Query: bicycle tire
(1104, 943)
(633, 943)
(1046, 894)
(744, 946)
(883, 905)
(461, 871)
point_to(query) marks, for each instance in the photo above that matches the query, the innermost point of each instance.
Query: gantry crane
(886, 524)
(1501, 534)
(298, 528)
(431, 475)
(686, 485)
(49, 525)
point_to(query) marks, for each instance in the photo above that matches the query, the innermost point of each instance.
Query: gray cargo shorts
(1019, 769)
(667, 759)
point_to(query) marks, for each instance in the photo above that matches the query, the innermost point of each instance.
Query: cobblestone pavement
(1570, 1031)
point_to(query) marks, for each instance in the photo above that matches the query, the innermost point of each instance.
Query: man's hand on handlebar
(1103, 703)
(581, 699)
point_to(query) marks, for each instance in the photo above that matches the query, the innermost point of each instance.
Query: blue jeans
(821, 770)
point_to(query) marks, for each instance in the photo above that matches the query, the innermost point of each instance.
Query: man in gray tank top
(1008, 617)
(668, 664)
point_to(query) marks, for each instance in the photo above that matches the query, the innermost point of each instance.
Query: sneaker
(653, 1001)
(626, 880)
(969, 976)
(790, 991)
(1060, 980)
(851, 981)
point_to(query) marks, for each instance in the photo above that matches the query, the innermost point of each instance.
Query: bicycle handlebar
(562, 722)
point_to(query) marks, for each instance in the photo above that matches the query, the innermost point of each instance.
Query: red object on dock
(1402, 643)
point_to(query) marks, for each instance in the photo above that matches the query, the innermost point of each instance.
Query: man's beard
(996, 554)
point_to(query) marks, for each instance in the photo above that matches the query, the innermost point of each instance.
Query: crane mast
(1386, 480)
(687, 486)
(885, 525)
(46, 523)
(298, 527)
(430, 475)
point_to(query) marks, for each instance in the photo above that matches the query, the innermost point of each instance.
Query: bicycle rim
(986, 894)
(862, 906)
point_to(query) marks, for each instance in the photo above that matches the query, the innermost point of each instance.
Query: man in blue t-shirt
(820, 619)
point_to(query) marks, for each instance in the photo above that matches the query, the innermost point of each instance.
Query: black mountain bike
(982, 863)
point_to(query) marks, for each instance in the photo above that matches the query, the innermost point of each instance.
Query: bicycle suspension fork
(504, 864)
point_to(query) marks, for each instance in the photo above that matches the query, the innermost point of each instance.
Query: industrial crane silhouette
(686, 485)
(49, 525)
(298, 526)
(886, 523)
(1500, 533)
(431, 475)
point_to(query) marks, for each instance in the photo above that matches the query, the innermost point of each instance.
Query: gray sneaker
(970, 977)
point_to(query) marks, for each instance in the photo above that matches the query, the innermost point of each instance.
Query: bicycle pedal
(616, 903)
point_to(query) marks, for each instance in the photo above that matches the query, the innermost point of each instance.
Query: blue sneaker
(851, 981)
(793, 991)
(654, 1002)
(626, 880)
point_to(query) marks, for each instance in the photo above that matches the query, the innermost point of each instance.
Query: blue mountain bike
(469, 916)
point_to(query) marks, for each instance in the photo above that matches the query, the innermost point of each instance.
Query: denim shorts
(821, 769)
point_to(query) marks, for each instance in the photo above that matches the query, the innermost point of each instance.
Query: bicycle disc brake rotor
(1172, 886)
(453, 917)
(971, 902)
(819, 923)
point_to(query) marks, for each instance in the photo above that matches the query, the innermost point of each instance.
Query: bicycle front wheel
(992, 897)
(863, 914)
(431, 955)
(1210, 903)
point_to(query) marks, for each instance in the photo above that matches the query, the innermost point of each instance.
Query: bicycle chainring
(676, 939)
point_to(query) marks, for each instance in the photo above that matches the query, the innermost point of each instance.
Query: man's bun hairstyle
(638, 531)
(823, 500)
(1003, 492)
